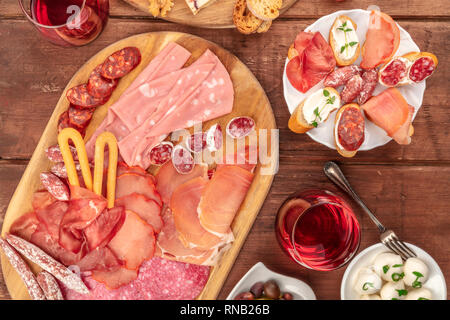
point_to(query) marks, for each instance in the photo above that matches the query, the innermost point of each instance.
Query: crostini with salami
(349, 129)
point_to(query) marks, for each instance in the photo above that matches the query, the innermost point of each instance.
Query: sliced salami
(63, 121)
(352, 89)
(394, 72)
(80, 97)
(340, 76)
(54, 153)
(182, 160)
(214, 137)
(99, 86)
(240, 127)
(421, 69)
(350, 129)
(59, 169)
(161, 153)
(369, 83)
(196, 142)
(49, 285)
(55, 186)
(80, 117)
(121, 62)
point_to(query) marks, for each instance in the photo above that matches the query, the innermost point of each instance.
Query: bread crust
(266, 10)
(243, 19)
(343, 152)
(340, 62)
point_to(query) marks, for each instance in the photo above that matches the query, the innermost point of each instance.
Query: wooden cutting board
(217, 15)
(250, 100)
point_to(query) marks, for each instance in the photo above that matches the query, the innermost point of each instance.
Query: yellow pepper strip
(106, 138)
(63, 140)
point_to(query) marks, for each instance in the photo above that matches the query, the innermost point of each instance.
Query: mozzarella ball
(367, 282)
(419, 294)
(370, 297)
(416, 273)
(393, 291)
(388, 266)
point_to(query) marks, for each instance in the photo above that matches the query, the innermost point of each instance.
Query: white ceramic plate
(374, 136)
(435, 283)
(259, 272)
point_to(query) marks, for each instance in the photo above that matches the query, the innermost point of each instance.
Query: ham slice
(114, 279)
(101, 259)
(184, 203)
(134, 242)
(129, 183)
(168, 179)
(25, 225)
(382, 40)
(51, 216)
(222, 197)
(390, 111)
(314, 61)
(146, 208)
(169, 245)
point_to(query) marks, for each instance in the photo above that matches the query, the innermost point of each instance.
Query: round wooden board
(217, 15)
(250, 100)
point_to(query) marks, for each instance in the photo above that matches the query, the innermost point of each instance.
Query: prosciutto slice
(314, 61)
(390, 111)
(222, 198)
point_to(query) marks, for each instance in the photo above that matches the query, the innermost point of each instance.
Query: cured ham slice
(134, 242)
(146, 208)
(169, 245)
(245, 157)
(100, 259)
(202, 92)
(51, 216)
(382, 40)
(222, 198)
(25, 225)
(314, 61)
(390, 111)
(168, 179)
(184, 203)
(104, 228)
(114, 279)
(129, 183)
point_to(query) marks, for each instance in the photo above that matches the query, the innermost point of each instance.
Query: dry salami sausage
(49, 285)
(196, 142)
(23, 270)
(369, 82)
(421, 69)
(121, 62)
(340, 76)
(350, 129)
(240, 127)
(214, 137)
(54, 153)
(80, 117)
(182, 160)
(59, 169)
(99, 86)
(394, 73)
(161, 153)
(352, 89)
(80, 97)
(55, 186)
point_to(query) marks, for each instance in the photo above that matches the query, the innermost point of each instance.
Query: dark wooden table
(406, 187)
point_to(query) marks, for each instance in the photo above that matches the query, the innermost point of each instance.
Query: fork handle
(334, 173)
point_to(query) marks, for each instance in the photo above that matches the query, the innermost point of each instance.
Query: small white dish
(259, 272)
(435, 283)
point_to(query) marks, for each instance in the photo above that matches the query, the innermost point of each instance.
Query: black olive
(271, 290)
(257, 289)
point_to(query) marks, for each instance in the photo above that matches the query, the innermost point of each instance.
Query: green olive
(271, 290)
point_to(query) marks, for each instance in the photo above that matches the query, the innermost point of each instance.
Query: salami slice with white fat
(55, 186)
(59, 169)
(369, 83)
(340, 76)
(49, 285)
(240, 127)
(421, 69)
(182, 160)
(161, 153)
(352, 89)
(196, 142)
(214, 137)
(54, 154)
(394, 73)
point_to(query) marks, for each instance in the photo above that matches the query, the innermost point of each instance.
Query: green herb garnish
(385, 269)
(317, 111)
(417, 284)
(344, 29)
(417, 274)
(367, 285)
(402, 292)
(422, 298)
(397, 276)
(397, 266)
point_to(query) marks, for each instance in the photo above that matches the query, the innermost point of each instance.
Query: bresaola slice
(182, 160)
(161, 153)
(240, 127)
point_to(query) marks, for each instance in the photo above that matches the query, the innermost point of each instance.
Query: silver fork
(387, 237)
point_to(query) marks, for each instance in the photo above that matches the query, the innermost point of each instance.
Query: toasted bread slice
(264, 27)
(413, 56)
(297, 122)
(343, 152)
(243, 19)
(292, 53)
(342, 61)
(266, 10)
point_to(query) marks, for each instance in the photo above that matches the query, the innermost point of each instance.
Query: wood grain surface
(406, 186)
(219, 14)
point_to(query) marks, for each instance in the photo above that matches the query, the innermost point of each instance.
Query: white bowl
(259, 272)
(435, 283)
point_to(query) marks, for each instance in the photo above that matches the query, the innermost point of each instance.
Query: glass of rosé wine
(67, 22)
(318, 230)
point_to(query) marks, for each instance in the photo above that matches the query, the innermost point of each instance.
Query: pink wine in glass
(318, 230)
(68, 22)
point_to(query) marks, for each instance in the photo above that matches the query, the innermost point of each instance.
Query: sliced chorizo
(80, 96)
(80, 117)
(121, 62)
(99, 86)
